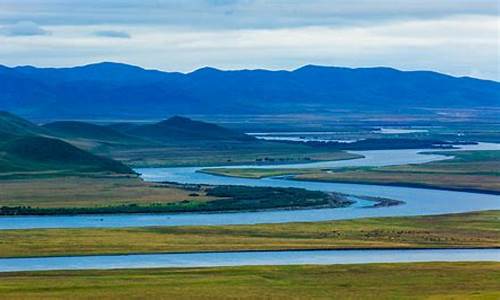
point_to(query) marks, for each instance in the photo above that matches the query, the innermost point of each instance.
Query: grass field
(469, 170)
(210, 154)
(107, 195)
(257, 173)
(89, 192)
(480, 229)
(373, 281)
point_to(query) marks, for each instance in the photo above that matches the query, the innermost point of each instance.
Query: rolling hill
(26, 148)
(109, 90)
(12, 126)
(184, 129)
(79, 130)
(40, 154)
(72, 147)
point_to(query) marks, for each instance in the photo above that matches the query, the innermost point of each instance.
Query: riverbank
(469, 230)
(456, 280)
(166, 198)
(468, 171)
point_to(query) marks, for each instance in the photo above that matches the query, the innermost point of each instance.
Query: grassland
(221, 153)
(68, 192)
(469, 170)
(373, 281)
(77, 195)
(257, 173)
(480, 229)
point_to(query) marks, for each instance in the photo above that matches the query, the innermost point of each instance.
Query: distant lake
(399, 130)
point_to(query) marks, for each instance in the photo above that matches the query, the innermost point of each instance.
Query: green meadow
(372, 281)
(480, 229)
(468, 170)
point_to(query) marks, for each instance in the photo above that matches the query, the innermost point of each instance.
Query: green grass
(94, 195)
(469, 170)
(256, 173)
(29, 155)
(481, 229)
(221, 153)
(372, 281)
(70, 192)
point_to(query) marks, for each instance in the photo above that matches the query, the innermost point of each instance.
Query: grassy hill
(180, 128)
(78, 130)
(27, 149)
(40, 154)
(12, 126)
(177, 141)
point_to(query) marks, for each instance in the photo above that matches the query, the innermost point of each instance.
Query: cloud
(23, 28)
(240, 14)
(113, 34)
(277, 34)
(442, 45)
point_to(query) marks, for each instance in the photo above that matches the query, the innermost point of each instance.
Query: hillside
(119, 90)
(74, 129)
(26, 148)
(11, 126)
(40, 154)
(184, 129)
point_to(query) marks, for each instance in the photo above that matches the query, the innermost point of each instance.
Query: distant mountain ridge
(126, 91)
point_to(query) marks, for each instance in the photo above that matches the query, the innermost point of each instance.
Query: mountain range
(115, 90)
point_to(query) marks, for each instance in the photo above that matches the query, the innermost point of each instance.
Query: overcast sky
(457, 37)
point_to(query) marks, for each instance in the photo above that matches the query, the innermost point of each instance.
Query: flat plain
(476, 171)
(369, 281)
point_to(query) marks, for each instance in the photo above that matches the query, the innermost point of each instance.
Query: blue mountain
(125, 91)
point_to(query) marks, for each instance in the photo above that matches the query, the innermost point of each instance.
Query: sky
(456, 37)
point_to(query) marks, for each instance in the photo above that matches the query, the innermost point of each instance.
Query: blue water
(218, 259)
(418, 201)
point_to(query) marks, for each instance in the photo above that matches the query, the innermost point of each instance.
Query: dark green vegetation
(12, 126)
(28, 150)
(373, 281)
(28, 155)
(255, 198)
(481, 229)
(119, 90)
(468, 170)
(130, 195)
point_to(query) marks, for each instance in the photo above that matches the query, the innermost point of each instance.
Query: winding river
(418, 201)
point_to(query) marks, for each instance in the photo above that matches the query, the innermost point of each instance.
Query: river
(219, 259)
(418, 201)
